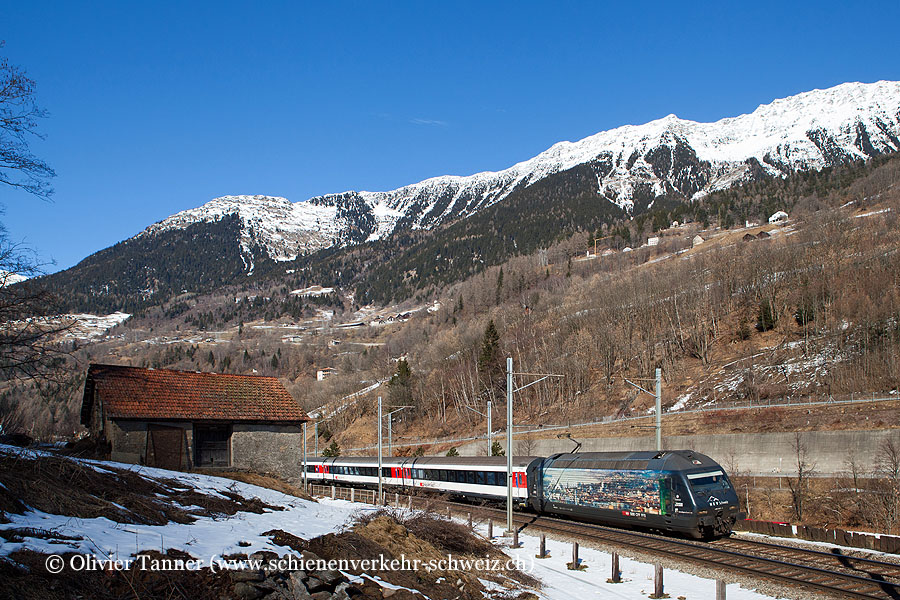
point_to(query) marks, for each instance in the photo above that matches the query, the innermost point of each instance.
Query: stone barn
(185, 419)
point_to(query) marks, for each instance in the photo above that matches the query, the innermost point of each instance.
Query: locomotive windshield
(712, 480)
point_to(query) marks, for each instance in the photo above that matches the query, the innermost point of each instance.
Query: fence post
(470, 520)
(616, 574)
(409, 503)
(515, 542)
(490, 529)
(449, 514)
(574, 564)
(720, 589)
(658, 582)
(352, 494)
(332, 492)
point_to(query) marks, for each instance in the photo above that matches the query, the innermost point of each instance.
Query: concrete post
(616, 573)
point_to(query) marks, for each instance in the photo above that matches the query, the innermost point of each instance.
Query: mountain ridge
(673, 156)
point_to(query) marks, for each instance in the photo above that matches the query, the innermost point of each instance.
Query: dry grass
(63, 486)
(271, 482)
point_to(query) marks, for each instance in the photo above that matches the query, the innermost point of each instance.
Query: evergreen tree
(332, 450)
(453, 451)
(490, 362)
(497, 449)
(499, 287)
(400, 385)
(767, 316)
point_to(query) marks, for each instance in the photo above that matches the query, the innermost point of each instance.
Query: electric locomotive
(678, 491)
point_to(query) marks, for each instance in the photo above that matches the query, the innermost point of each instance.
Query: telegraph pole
(316, 430)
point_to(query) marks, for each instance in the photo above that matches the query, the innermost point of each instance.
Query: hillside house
(778, 217)
(323, 374)
(185, 419)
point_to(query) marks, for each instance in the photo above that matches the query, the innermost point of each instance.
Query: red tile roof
(161, 394)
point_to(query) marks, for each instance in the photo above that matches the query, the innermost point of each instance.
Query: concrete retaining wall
(763, 453)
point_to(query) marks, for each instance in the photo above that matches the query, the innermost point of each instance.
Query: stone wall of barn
(275, 449)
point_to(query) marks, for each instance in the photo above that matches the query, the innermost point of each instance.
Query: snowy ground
(559, 583)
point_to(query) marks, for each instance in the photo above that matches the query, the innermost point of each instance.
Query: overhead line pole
(380, 487)
(304, 456)
(509, 432)
(509, 436)
(390, 433)
(489, 428)
(658, 397)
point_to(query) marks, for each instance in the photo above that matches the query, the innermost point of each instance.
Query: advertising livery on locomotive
(677, 491)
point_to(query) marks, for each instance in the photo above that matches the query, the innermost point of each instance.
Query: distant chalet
(185, 419)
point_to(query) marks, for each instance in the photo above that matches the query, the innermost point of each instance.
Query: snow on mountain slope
(668, 156)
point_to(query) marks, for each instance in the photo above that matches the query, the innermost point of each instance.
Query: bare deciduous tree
(799, 482)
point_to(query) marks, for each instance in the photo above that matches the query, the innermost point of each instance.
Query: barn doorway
(212, 445)
(164, 447)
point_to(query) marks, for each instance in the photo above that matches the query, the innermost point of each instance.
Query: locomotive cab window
(714, 480)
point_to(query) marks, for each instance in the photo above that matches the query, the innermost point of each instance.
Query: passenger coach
(465, 476)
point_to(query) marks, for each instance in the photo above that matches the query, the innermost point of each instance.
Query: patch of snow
(314, 290)
(873, 213)
(207, 538)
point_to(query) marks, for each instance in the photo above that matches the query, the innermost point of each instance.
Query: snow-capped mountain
(667, 157)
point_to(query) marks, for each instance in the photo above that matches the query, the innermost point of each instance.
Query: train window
(470, 477)
(489, 478)
(479, 478)
(442, 475)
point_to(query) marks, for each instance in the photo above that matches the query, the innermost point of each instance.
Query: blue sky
(159, 107)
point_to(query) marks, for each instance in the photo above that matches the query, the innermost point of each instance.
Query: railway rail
(835, 573)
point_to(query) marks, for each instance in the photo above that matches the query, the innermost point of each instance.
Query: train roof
(665, 460)
(425, 461)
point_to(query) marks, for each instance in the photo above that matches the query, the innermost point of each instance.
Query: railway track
(841, 576)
